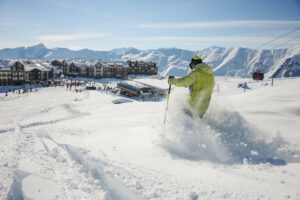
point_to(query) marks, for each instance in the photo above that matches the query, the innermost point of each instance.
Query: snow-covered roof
(81, 62)
(49, 66)
(131, 85)
(33, 64)
(29, 65)
(3, 68)
(154, 83)
(4, 65)
(111, 64)
(114, 64)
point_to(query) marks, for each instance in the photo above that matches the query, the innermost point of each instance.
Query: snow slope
(238, 62)
(57, 144)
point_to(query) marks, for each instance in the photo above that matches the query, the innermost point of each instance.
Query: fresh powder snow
(61, 144)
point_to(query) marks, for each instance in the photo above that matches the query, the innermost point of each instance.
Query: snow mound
(222, 136)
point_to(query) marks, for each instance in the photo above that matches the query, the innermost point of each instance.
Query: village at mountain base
(17, 72)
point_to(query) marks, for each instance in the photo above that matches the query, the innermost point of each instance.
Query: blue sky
(149, 24)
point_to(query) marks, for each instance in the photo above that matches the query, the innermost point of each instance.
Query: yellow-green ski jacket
(201, 83)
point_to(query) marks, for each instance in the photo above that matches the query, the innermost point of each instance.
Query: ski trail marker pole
(169, 91)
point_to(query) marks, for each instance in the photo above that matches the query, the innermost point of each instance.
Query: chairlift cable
(279, 37)
(284, 43)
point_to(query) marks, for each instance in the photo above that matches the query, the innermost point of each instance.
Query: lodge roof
(4, 65)
(81, 62)
(131, 85)
(29, 65)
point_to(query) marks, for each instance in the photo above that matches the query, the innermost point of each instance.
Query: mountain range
(239, 62)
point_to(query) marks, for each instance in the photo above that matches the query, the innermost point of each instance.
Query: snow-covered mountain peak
(234, 61)
(123, 50)
(37, 48)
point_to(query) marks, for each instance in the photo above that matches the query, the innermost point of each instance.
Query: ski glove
(170, 80)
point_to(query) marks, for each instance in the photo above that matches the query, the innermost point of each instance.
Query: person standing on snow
(200, 82)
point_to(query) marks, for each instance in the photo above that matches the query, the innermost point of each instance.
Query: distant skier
(200, 82)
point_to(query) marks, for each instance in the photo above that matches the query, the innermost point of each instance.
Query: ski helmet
(195, 60)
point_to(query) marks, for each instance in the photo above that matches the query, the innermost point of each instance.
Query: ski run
(58, 144)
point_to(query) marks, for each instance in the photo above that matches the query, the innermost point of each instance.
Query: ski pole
(169, 91)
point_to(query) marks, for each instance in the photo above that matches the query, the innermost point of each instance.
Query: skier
(200, 82)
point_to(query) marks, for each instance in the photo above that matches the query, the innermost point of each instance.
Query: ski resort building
(78, 67)
(93, 69)
(135, 89)
(141, 67)
(26, 71)
(157, 91)
(5, 73)
(56, 63)
(18, 72)
(116, 70)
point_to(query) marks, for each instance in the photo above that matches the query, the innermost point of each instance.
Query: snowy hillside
(242, 62)
(238, 62)
(57, 144)
(289, 68)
